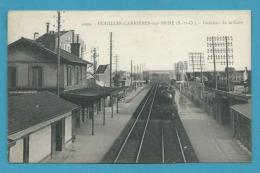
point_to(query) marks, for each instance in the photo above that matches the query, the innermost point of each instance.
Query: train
(166, 100)
(166, 94)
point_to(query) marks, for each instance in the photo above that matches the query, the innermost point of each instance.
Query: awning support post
(104, 111)
(92, 117)
(112, 106)
(82, 114)
(97, 103)
(117, 104)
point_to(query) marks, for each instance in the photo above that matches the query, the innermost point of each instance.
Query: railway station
(108, 94)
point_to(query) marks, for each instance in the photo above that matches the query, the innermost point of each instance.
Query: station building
(39, 125)
(32, 75)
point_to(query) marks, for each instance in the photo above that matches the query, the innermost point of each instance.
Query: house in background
(39, 124)
(103, 74)
(122, 79)
(69, 41)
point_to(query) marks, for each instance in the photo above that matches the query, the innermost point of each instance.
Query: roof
(65, 56)
(91, 93)
(28, 110)
(102, 68)
(244, 109)
(56, 35)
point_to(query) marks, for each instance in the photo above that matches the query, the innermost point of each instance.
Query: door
(60, 135)
(26, 149)
(53, 138)
(57, 136)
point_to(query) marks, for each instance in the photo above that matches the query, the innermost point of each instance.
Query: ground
(89, 148)
(211, 141)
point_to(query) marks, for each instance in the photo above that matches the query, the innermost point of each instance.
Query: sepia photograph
(129, 86)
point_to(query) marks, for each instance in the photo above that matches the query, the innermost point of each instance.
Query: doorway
(57, 135)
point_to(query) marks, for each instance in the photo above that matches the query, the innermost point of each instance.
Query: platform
(91, 149)
(211, 141)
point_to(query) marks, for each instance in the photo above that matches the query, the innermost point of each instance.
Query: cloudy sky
(157, 39)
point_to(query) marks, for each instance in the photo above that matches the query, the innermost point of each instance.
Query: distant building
(103, 74)
(39, 124)
(180, 69)
(236, 78)
(122, 78)
(125, 78)
(159, 75)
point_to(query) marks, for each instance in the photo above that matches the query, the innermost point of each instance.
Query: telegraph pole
(58, 54)
(134, 77)
(197, 62)
(201, 69)
(111, 58)
(214, 62)
(202, 80)
(137, 72)
(131, 74)
(111, 61)
(116, 69)
(192, 59)
(94, 60)
(227, 70)
(116, 63)
(219, 47)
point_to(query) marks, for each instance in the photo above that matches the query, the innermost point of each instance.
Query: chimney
(75, 47)
(35, 35)
(72, 41)
(50, 41)
(77, 38)
(47, 27)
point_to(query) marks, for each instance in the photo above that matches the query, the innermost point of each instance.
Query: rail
(180, 145)
(133, 126)
(146, 125)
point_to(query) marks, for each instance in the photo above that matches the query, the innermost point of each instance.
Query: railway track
(152, 138)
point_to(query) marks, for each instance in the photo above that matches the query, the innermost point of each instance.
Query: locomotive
(166, 95)
(167, 103)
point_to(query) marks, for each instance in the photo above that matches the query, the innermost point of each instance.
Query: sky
(157, 39)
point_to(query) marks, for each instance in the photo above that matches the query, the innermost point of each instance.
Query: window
(77, 79)
(80, 73)
(69, 81)
(37, 78)
(12, 77)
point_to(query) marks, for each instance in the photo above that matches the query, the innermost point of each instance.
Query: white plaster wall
(16, 152)
(68, 128)
(40, 144)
